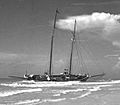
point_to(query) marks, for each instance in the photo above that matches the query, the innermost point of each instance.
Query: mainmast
(73, 41)
(52, 38)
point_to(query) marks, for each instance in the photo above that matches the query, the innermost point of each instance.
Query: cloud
(103, 24)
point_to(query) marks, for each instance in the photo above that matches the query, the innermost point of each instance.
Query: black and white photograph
(59, 52)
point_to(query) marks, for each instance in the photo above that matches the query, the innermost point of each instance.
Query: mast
(73, 41)
(52, 39)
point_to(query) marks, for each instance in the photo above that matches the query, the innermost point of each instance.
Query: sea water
(23, 92)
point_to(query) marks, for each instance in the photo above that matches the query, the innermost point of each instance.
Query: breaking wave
(88, 90)
(34, 84)
(100, 83)
(83, 95)
(71, 87)
(37, 101)
(26, 102)
(53, 100)
(39, 84)
(10, 93)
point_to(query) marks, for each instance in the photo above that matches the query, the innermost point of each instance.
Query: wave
(39, 84)
(114, 88)
(89, 91)
(26, 102)
(53, 100)
(67, 91)
(37, 101)
(54, 84)
(76, 87)
(10, 93)
(100, 83)
(83, 95)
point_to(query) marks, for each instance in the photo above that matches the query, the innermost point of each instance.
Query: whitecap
(27, 81)
(67, 91)
(91, 89)
(100, 83)
(26, 102)
(10, 93)
(53, 100)
(34, 84)
(37, 101)
(56, 95)
(83, 95)
(39, 84)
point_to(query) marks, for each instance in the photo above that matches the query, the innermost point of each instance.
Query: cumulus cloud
(104, 24)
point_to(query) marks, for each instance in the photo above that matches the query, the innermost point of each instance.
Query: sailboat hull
(60, 78)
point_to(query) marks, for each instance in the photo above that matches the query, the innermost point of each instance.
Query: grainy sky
(25, 33)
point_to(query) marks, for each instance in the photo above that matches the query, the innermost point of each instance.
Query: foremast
(71, 54)
(52, 39)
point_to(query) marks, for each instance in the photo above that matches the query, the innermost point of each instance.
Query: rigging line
(85, 50)
(81, 54)
(82, 61)
(79, 58)
(68, 35)
(90, 54)
(67, 53)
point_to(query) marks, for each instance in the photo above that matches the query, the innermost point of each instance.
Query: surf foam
(26, 102)
(10, 93)
(54, 84)
(67, 91)
(39, 84)
(90, 90)
(100, 83)
(37, 101)
(53, 100)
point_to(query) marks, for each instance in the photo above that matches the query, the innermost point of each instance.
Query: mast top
(55, 18)
(74, 31)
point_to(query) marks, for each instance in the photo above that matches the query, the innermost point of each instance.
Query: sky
(26, 29)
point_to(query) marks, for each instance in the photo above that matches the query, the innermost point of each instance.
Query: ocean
(23, 92)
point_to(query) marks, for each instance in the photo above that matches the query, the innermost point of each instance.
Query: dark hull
(59, 78)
